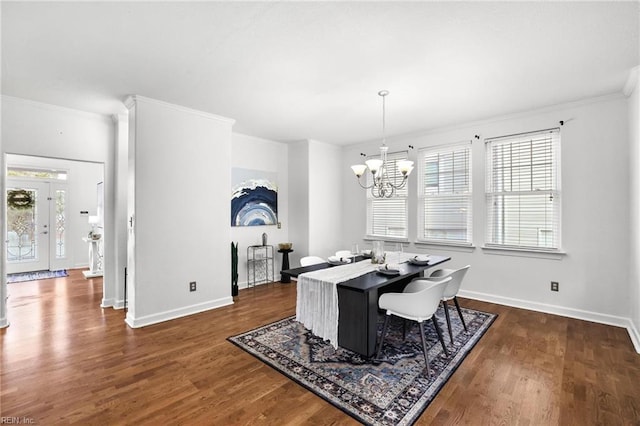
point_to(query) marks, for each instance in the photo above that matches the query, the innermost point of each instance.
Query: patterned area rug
(32, 276)
(393, 392)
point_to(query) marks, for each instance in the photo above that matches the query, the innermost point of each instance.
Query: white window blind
(387, 217)
(444, 194)
(523, 190)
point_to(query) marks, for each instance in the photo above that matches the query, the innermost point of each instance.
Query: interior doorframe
(107, 174)
(4, 321)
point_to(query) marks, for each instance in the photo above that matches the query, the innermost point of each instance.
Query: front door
(28, 226)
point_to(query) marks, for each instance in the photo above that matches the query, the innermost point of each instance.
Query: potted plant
(234, 269)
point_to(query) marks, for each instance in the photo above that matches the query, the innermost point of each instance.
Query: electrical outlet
(192, 286)
(555, 286)
(279, 225)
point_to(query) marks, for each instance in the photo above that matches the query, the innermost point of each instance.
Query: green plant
(234, 269)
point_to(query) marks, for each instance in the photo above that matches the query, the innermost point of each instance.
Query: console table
(260, 267)
(95, 258)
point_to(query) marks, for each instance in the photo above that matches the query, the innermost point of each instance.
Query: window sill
(519, 252)
(465, 248)
(386, 239)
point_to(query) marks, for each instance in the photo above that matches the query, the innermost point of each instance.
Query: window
(387, 217)
(444, 194)
(35, 173)
(523, 190)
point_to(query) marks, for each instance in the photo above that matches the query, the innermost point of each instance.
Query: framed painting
(254, 197)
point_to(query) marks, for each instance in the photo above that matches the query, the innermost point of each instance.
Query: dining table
(339, 303)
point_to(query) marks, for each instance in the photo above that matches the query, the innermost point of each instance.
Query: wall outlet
(555, 286)
(192, 286)
(279, 225)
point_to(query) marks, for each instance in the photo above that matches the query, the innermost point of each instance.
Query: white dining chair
(311, 260)
(450, 292)
(418, 302)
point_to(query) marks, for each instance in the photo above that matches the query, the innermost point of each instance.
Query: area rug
(32, 276)
(394, 391)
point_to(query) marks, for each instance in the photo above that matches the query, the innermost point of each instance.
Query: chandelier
(384, 178)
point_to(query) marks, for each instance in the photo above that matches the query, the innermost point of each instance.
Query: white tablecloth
(317, 298)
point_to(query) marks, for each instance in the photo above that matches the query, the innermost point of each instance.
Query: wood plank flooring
(67, 361)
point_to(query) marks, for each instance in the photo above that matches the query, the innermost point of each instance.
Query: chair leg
(435, 323)
(384, 331)
(455, 300)
(445, 305)
(424, 347)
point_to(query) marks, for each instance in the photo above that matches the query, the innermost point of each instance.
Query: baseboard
(4, 323)
(176, 313)
(106, 303)
(634, 335)
(559, 310)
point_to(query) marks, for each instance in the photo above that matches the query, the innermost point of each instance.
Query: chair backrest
(419, 305)
(343, 253)
(456, 279)
(311, 260)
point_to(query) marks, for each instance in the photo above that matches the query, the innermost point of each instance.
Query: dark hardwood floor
(67, 361)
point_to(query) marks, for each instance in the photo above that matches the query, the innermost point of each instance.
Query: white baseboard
(4, 323)
(176, 313)
(112, 303)
(635, 336)
(559, 310)
(106, 303)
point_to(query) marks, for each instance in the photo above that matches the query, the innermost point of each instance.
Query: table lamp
(93, 221)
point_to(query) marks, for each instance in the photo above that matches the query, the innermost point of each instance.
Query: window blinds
(444, 205)
(387, 217)
(523, 190)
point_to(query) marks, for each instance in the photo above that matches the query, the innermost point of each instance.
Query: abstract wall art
(254, 197)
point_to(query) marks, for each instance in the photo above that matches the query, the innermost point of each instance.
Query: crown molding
(473, 125)
(52, 107)
(632, 81)
(131, 100)
(118, 118)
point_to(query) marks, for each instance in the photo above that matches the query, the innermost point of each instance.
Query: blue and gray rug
(393, 392)
(38, 275)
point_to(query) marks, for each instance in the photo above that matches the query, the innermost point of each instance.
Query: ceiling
(290, 71)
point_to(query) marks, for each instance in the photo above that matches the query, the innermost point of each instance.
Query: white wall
(632, 89)
(594, 273)
(325, 193)
(121, 166)
(299, 200)
(315, 194)
(181, 210)
(36, 129)
(249, 152)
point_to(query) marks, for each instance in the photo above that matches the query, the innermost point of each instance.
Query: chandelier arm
(398, 185)
(363, 186)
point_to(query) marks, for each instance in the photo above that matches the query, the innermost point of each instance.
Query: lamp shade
(374, 165)
(405, 167)
(358, 169)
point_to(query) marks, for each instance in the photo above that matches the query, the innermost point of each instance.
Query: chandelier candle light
(382, 185)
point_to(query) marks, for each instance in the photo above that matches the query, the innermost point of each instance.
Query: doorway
(50, 205)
